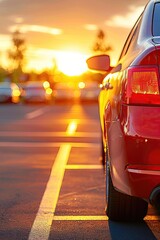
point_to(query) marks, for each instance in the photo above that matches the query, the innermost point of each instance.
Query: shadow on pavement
(130, 231)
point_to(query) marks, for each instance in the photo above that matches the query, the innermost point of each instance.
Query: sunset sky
(66, 30)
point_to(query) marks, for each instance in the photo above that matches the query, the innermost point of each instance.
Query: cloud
(36, 28)
(19, 20)
(126, 21)
(90, 27)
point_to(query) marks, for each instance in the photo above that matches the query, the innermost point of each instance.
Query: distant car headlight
(16, 92)
(46, 84)
(81, 85)
(48, 91)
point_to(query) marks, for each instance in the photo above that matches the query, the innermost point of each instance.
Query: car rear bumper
(134, 147)
(143, 179)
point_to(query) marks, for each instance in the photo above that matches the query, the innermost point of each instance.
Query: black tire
(103, 155)
(122, 207)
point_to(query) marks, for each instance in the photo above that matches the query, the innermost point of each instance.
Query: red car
(129, 106)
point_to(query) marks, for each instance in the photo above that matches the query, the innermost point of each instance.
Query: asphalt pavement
(52, 184)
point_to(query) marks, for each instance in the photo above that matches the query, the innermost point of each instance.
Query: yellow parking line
(80, 218)
(48, 144)
(71, 129)
(97, 218)
(71, 166)
(43, 221)
(50, 134)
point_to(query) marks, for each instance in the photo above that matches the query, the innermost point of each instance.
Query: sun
(67, 62)
(72, 63)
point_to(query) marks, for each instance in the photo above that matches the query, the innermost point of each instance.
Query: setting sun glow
(71, 63)
(61, 42)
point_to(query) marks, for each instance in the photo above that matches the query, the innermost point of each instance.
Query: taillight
(142, 85)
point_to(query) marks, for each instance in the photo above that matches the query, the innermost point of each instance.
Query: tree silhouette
(17, 53)
(100, 45)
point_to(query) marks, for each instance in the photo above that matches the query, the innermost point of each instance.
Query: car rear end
(141, 125)
(140, 119)
(37, 92)
(129, 105)
(9, 92)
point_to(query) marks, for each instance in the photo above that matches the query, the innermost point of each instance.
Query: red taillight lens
(142, 86)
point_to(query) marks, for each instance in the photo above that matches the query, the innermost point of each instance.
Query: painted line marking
(80, 218)
(97, 218)
(35, 114)
(72, 127)
(49, 144)
(43, 221)
(77, 167)
(50, 134)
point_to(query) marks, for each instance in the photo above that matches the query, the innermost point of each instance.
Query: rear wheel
(122, 207)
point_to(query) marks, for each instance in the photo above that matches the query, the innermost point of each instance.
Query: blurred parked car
(65, 92)
(89, 91)
(9, 92)
(37, 92)
(129, 106)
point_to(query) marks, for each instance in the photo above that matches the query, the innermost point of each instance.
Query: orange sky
(66, 30)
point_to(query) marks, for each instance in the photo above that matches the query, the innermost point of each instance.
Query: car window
(132, 37)
(156, 20)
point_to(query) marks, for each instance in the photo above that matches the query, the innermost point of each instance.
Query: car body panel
(65, 92)
(134, 143)
(88, 91)
(9, 92)
(131, 131)
(36, 92)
